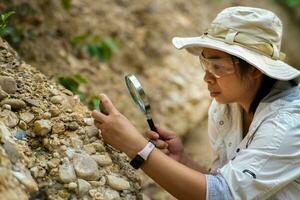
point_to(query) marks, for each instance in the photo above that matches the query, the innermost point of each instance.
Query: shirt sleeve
(271, 160)
(217, 188)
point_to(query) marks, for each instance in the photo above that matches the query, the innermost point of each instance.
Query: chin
(221, 100)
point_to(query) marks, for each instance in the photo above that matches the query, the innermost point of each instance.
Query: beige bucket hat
(252, 34)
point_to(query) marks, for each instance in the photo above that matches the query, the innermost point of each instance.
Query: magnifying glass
(140, 98)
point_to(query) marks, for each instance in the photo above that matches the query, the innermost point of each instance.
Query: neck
(246, 100)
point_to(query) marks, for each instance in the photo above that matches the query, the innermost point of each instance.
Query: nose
(209, 78)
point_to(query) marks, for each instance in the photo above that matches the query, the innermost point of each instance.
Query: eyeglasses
(218, 67)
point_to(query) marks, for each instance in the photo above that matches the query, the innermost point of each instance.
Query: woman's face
(226, 86)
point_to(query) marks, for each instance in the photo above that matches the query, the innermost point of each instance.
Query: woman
(254, 119)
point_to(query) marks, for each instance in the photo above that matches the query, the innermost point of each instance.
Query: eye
(217, 67)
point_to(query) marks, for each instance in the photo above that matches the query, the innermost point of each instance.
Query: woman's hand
(167, 141)
(116, 129)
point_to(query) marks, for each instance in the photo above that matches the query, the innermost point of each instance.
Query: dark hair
(265, 87)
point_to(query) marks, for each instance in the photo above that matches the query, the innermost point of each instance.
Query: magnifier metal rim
(133, 84)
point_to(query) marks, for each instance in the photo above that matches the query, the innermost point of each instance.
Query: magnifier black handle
(151, 125)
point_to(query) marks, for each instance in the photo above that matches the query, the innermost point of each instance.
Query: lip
(214, 94)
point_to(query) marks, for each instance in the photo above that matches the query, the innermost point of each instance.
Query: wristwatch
(142, 155)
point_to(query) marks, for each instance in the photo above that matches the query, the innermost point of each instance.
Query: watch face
(137, 161)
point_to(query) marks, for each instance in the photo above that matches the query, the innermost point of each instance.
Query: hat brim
(276, 69)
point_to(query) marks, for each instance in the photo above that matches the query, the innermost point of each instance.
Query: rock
(12, 151)
(66, 172)
(8, 84)
(54, 162)
(54, 111)
(73, 126)
(76, 143)
(56, 99)
(72, 186)
(85, 167)
(3, 94)
(99, 146)
(88, 121)
(20, 135)
(58, 128)
(117, 183)
(32, 102)
(27, 117)
(9, 118)
(83, 187)
(41, 127)
(91, 131)
(16, 104)
(22, 125)
(111, 194)
(5, 134)
(6, 107)
(46, 115)
(102, 160)
(26, 179)
(89, 148)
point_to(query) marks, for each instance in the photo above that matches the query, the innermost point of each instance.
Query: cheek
(231, 89)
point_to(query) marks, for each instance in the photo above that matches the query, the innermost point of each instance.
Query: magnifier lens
(134, 91)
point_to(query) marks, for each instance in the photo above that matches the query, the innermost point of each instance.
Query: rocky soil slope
(49, 147)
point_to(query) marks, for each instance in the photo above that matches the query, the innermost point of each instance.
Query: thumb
(107, 104)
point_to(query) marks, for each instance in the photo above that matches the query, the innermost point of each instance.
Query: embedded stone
(54, 111)
(56, 99)
(12, 151)
(85, 167)
(32, 102)
(66, 172)
(16, 104)
(58, 128)
(91, 131)
(102, 160)
(111, 194)
(8, 84)
(117, 183)
(9, 118)
(83, 187)
(27, 117)
(26, 179)
(41, 127)
(3, 94)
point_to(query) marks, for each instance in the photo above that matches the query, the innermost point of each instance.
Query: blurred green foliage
(72, 83)
(13, 36)
(95, 46)
(3, 23)
(67, 4)
(290, 3)
(94, 103)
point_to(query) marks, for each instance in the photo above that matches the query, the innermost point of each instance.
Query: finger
(98, 116)
(107, 104)
(165, 133)
(160, 144)
(97, 124)
(152, 135)
(165, 151)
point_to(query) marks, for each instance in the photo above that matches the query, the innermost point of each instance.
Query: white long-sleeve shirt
(265, 164)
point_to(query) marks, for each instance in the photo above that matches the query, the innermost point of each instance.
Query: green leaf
(94, 103)
(81, 95)
(112, 44)
(80, 79)
(79, 39)
(5, 16)
(67, 4)
(69, 83)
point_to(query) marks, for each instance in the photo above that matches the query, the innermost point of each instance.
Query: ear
(255, 73)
